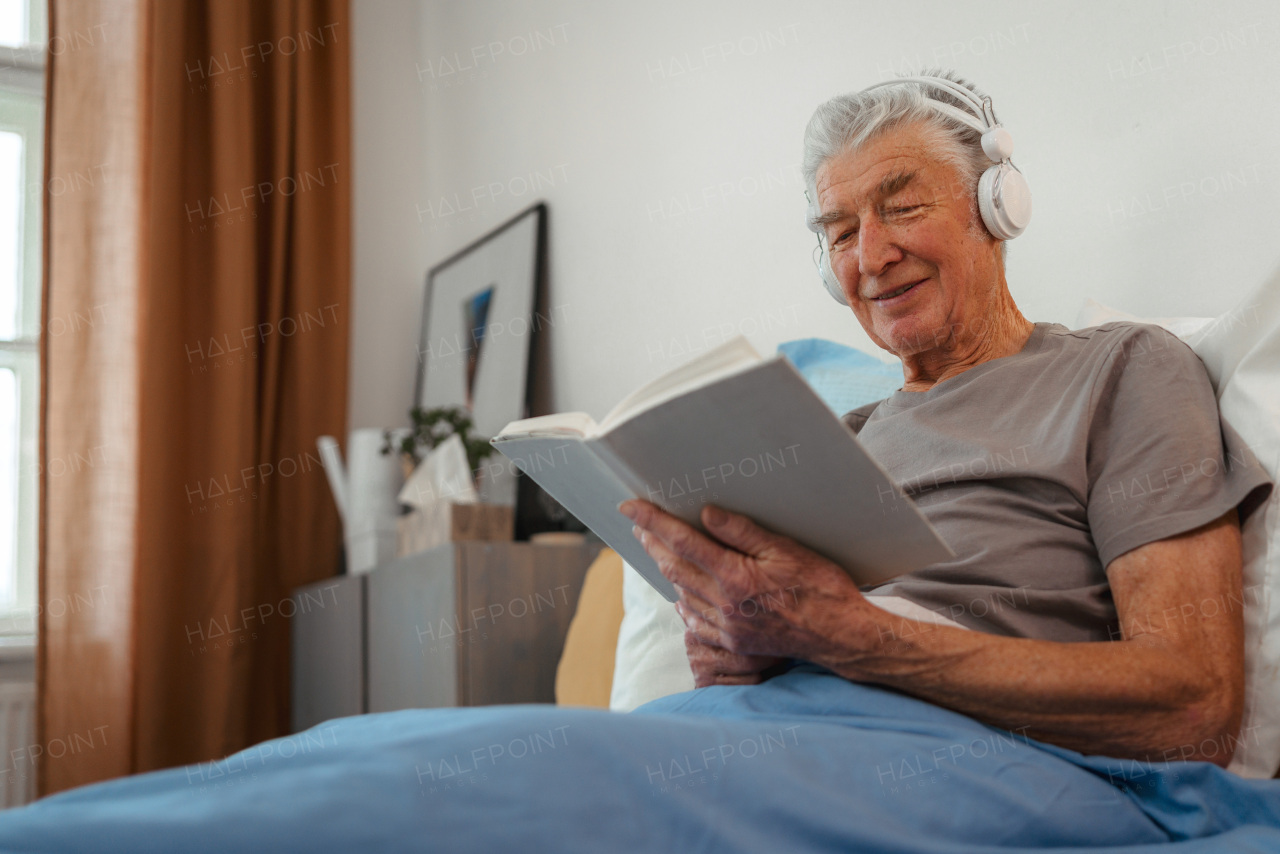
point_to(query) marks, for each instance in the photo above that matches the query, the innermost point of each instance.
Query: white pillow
(1241, 350)
(1094, 313)
(650, 661)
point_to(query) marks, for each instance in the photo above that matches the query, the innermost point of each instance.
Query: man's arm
(1171, 688)
(1174, 682)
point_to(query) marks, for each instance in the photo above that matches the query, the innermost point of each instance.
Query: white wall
(666, 138)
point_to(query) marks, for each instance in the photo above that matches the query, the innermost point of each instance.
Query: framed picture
(480, 327)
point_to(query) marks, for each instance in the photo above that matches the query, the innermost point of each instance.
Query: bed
(805, 762)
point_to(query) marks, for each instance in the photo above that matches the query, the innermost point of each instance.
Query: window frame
(22, 78)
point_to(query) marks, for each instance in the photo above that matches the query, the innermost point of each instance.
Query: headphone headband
(980, 106)
(938, 83)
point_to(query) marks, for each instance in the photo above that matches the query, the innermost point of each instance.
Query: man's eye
(902, 210)
(846, 235)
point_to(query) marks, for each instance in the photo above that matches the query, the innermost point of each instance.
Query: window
(22, 48)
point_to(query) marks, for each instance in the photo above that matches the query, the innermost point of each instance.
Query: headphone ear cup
(829, 280)
(1004, 201)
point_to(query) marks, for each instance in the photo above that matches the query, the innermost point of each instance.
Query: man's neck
(1007, 336)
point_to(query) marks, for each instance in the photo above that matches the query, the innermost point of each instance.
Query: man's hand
(713, 665)
(747, 591)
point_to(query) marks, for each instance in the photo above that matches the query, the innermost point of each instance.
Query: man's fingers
(680, 537)
(737, 531)
(691, 601)
(717, 659)
(733, 679)
(683, 574)
(703, 631)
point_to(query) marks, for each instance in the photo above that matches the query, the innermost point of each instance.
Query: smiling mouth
(899, 292)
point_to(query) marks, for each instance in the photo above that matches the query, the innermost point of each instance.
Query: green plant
(433, 426)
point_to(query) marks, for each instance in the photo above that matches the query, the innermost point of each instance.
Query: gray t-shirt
(1042, 467)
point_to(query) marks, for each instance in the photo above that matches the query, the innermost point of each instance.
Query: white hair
(847, 122)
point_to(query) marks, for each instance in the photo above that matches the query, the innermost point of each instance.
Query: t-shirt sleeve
(1161, 461)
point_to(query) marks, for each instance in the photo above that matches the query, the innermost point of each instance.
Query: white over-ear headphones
(1004, 199)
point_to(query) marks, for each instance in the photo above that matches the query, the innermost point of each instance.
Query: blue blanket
(804, 762)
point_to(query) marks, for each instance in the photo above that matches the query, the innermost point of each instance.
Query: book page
(560, 424)
(734, 355)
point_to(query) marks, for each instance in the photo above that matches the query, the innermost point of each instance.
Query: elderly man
(1105, 511)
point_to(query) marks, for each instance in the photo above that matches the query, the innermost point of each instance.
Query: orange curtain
(207, 251)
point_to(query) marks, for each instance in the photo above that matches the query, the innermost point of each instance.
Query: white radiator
(17, 736)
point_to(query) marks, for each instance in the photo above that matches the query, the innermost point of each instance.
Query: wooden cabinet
(464, 624)
(328, 650)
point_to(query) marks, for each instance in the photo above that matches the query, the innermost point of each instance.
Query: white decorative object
(331, 459)
(443, 476)
(441, 480)
(366, 495)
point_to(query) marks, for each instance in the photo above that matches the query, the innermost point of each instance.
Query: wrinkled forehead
(915, 147)
(878, 171)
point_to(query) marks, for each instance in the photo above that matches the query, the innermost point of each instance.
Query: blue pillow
(845, 378)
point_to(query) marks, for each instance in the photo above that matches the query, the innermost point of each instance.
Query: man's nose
(876, 248)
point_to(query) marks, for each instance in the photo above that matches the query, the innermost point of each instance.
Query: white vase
(373, 480)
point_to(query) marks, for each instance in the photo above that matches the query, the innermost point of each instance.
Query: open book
(745, 433)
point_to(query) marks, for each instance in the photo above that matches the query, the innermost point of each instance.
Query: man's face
(895, 215)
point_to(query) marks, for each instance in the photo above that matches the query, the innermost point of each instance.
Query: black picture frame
(502, 375)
